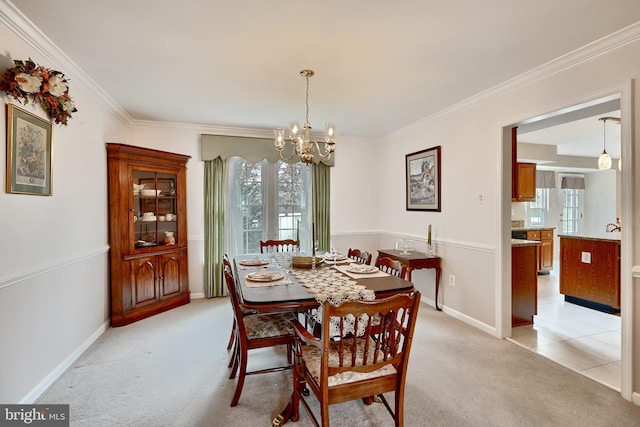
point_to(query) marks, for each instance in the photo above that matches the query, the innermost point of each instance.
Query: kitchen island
(590, 271)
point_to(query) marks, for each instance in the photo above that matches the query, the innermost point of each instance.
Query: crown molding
(609, 43)
(21, 26)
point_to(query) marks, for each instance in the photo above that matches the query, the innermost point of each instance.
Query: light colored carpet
(171, 370)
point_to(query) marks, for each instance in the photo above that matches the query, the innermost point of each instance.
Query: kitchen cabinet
(525, 184)
(523, 175)
(147, 232)
(545, 250)
(524, 282)
(590, 272)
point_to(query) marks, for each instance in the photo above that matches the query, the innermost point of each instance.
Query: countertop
(531, 228)
(605, 237)
(520, 242)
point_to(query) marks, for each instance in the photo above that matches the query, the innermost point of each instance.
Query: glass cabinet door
(154, 209)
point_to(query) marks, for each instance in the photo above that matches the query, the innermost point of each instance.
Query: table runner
(331, 286)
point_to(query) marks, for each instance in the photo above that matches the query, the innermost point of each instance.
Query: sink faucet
(613, 227)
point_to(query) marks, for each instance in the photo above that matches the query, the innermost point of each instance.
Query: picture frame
(423, 180)
(29, 153)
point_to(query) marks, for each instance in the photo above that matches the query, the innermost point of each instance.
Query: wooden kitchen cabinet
(147, 232)
(545, 250)
(590, 272)
(525, 182)
(524, 283)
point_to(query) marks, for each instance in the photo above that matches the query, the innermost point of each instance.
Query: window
(570, 218)
(538, 210)
(268, 201)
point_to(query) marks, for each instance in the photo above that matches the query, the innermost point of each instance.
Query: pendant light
(604, 161)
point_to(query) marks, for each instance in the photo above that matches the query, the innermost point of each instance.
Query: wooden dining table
(293, 297)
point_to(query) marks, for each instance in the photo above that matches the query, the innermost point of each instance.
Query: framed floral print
(28, 153)
(423, 180)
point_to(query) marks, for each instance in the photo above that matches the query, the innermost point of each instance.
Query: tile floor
(582, 339)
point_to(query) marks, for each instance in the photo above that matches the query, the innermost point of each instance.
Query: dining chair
(391, 266)
(362, 257)
(227, 267)
(286, 245)
(354, 359)
(256, 331)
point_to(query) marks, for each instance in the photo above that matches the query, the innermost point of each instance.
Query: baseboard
(66, 363)
(194, 295)
(470, 321)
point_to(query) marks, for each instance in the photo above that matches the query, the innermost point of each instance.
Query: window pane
(289, 203)
(570, 210)
(539, 209)
(272, 201)
(252, 209)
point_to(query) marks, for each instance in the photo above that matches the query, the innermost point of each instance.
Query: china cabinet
(147, 232)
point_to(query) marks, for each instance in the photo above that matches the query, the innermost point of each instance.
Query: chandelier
(604, 161)
(303, 145)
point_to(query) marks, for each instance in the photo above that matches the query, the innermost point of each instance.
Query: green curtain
(321, 205)
(215, 178)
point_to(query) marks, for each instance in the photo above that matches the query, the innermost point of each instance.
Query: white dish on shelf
(148, 218)
(150, 192)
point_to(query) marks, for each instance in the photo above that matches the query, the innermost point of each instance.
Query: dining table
(270, 284)
(292, 293)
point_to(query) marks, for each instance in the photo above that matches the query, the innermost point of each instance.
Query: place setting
(361, 271)
(253, 262)
(260, 278)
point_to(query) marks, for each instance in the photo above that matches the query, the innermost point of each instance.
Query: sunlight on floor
(585, 340)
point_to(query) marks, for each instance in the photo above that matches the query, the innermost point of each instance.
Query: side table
(416, 261)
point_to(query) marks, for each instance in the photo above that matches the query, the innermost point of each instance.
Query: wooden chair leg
(232, 336)
(236, 359)
(324, 408)
(243, 372)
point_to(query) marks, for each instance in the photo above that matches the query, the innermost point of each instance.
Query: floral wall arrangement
(28, 81)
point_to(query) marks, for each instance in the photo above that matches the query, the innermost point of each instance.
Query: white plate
(148, 218)
(362, 269)
(253, 262)
(334, 257)
(265, 276)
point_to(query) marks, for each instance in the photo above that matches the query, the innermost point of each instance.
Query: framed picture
(423, 180)
(28, 153)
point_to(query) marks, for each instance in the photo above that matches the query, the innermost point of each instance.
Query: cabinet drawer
(547, 234)
(533, 235)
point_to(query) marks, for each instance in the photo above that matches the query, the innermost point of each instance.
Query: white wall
(599, 201)
(54, 296)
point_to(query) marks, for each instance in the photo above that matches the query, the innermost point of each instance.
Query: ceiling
(581, 133)
(380, 65)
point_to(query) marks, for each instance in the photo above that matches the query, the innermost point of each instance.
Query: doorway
(548, 336)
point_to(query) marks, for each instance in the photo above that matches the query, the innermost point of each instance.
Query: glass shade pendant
(604, 161)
